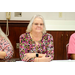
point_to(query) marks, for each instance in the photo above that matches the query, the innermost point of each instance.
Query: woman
(6, 48)
(36, 45)
(71, 48)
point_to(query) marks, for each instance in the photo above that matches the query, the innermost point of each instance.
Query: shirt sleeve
(21, 47)
(9, 52)
(50, 47)
(71, 49)
(7, 49)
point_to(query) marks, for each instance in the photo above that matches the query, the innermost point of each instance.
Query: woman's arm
(50, 47)
(22, 47)
(42, 59)
(32, 56)
(2, 54)
(9, 52)
(73, 56)
(6, 50)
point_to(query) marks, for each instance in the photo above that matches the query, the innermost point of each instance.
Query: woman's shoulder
(24, 35)
(4, 41)
(72, 36)
(48, 35)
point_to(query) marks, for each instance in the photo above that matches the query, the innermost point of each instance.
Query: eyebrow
(40, 23)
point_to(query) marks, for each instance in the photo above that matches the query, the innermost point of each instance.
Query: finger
(50, 58)
(44, 55)
(24, 58)
(24, 54)
(27, 58)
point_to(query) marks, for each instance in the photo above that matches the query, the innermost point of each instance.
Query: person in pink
(6, 48)
(71, 48)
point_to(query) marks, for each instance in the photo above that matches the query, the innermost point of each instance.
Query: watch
(37, 55)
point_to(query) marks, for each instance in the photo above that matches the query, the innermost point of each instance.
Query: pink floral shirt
(6, 47)
(27, 45)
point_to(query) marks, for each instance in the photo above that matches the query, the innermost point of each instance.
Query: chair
(68, 55)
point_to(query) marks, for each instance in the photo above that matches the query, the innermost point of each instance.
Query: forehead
(38, 19)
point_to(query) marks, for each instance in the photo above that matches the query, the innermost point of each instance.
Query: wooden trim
(14, 23)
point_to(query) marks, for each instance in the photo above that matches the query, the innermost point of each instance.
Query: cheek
(42, 28)
(33, 28)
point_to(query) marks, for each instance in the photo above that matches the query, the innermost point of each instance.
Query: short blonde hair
(29, 27)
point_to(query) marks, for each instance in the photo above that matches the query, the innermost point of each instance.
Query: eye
(36, 23)
(41, 24)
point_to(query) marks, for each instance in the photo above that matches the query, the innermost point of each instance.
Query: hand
(28, 56)
(41, 55)
(44, 59)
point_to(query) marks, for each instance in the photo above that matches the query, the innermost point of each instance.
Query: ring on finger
(24, 55)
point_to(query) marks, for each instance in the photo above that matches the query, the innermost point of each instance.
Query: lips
(38, 28)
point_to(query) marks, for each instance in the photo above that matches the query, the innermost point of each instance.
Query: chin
(38, 31)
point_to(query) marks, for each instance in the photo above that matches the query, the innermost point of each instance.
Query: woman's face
(37, 25)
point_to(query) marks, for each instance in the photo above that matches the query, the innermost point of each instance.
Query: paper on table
(19, 61)
(63, 61)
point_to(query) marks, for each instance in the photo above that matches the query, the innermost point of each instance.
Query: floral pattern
(27, 45)
(5, 46)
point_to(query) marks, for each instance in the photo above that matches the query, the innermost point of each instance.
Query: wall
(60, 25)
(46, 15)
(52, 19)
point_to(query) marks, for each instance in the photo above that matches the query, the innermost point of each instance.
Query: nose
(39, 25)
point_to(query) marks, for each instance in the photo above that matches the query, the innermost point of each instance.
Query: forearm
(37, 59)
(2, 54)
(73, 56)
(32, 56)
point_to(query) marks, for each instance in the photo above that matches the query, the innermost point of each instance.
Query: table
(19, 60)
(11, 60)
(63, 61)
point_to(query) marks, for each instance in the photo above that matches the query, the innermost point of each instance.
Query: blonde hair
(2, 34)
(29, 27)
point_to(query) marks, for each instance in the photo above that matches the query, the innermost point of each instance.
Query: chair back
(68, 55)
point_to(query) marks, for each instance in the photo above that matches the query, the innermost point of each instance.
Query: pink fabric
(71, 49)
(6, 47)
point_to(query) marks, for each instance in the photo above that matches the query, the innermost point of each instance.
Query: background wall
(53, 20)
(46, 15)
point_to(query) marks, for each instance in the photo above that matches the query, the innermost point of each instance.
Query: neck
(36, 34)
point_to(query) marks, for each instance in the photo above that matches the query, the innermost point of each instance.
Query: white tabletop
(63, 61)
(56, 61)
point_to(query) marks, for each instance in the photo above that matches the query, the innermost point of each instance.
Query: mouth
(38, 29)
